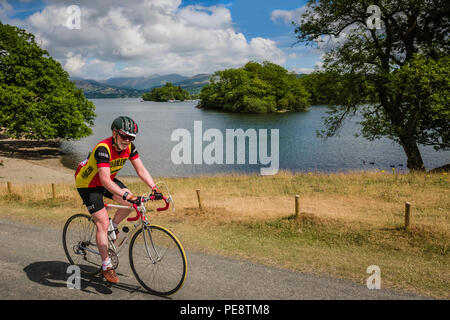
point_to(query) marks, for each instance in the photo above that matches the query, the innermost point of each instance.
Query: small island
(168, 92)
(255, 88)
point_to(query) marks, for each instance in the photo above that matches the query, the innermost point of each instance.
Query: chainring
(114, 258)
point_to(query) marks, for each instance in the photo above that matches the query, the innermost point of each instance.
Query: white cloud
(288, 16)
(74, 63)
(214, 17)
(146, 37)
(101, 69)
(318, 65)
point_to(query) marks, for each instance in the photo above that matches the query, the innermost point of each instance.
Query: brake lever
(169, 199)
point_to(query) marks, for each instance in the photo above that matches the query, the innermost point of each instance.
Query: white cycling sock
(106, 264)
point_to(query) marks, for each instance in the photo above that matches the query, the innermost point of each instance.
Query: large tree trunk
(406, 137)
(414, 158)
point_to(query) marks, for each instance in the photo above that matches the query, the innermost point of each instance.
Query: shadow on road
(54, 274)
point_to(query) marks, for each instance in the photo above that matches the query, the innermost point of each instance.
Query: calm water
(299, 147)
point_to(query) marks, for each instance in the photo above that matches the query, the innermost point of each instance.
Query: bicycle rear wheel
(158, 260)
(79, 242)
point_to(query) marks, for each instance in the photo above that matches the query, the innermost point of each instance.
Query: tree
(166, 93)
(37, 99)
(254, 88)
(402, 67)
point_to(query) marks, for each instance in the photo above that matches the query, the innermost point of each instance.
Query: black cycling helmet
(126, 124)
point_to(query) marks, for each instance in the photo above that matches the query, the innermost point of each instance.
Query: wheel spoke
(78, 235)
(157, 260)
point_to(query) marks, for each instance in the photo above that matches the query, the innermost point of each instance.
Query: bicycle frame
(142, 221)
(140, 218)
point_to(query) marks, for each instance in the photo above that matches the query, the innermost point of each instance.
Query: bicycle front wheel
(158, 260)
(79, 242)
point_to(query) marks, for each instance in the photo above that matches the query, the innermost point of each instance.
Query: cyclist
(95, 179)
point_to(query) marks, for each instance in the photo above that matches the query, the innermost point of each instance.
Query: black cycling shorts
(93, 197)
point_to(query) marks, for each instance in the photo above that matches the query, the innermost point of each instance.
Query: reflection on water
(299, 147)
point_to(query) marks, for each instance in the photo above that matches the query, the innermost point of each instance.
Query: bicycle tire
(167, 275)
(79, 233)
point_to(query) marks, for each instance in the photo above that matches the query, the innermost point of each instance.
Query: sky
(100, 39)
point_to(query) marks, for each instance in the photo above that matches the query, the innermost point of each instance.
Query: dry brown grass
(370, 199)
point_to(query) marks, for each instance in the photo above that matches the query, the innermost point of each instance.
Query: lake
(299, 147)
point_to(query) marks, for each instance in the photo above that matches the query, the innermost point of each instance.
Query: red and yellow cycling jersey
(103, 155)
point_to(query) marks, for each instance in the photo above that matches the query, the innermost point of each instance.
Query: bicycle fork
(146, 228)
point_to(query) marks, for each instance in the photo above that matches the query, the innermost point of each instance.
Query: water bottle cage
(116, 231)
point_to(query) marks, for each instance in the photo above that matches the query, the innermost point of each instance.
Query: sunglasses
(125, 136)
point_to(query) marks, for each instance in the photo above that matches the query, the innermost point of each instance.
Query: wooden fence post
(297, 206)
(407, 214)
(199, 199)
(9, 187)
(53, 191)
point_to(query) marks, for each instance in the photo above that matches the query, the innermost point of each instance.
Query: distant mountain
(122, 87)
(93, 89)
(194, 84)
(144, 83)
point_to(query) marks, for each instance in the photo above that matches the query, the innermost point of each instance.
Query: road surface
(33, 266)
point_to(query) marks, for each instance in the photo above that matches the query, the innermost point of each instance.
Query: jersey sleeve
(102, 156)
(133, 154)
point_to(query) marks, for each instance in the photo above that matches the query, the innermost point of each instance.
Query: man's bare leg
(101, 220)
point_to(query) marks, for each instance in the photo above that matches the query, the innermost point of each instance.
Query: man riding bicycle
(95, 179)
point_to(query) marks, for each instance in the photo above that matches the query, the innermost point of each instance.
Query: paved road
(33, 266)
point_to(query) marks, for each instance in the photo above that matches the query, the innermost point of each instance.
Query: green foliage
(402, 69)
(422, 86)
(255, 88)
(37, 99)
(332, 88)
(166, 93)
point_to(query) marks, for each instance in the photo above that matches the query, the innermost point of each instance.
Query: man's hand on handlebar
(132, 198)
(156, 193)
(135, 200)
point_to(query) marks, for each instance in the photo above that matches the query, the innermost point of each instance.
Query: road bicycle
(156, 256)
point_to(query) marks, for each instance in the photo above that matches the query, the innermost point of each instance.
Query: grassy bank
(347, 222)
